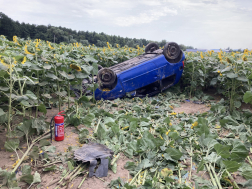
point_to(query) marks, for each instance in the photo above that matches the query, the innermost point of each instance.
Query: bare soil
(191, 108)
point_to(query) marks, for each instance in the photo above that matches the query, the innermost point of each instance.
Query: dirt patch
(191, 108)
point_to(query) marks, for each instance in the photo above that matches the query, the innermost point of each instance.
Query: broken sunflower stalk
(115, 159)
(68, 177)
(135, 177)
(30, 147)
(83, 180)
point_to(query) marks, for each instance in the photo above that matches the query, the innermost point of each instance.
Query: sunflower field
(168, 149)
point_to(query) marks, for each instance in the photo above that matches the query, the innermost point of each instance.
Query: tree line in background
(10, 28)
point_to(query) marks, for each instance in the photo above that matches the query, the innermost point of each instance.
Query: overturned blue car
(148, 74)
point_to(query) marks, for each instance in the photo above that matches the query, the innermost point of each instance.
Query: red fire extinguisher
(58, 126)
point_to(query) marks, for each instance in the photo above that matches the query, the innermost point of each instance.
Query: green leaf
(133, 126)
(65, 75)
(44, 142)
(242, 78)
(231, 75)
(95, 68)
(231, 166)
(31, 95)
(222, 150)
(75, 121)
(101, 131)
(40, 124)
(209, 142)
(42, 108)
(167, 120)
(84, 100)
(202, 127)
(20, 98)
(250, 76)
(201, 166)
(83, 135)
(247, 97)
(212, 158)
(228, 120)
(47, 67)
(88, 119)
(173, 135)
(25, 103)
(2, 72)
(130, 165)
(108, 119)
(27, 178)
(61, 93)
(70, 166)
(2, 112)
(11, 145)
(4, 88)
(144, 124)
(239, 151)
(52, 76)
(115, 128)
(36, 178)
(89, 58)
(237, 104)
(174, 153)
(213, 81)
(148, 140)
(81, 75)
(167, 157)
(51, 149)
(227, 69)
(246, 171)
(26, 169)
(35, 153)
(145, 164)
(52, 168)
(26, 128)
(133, 145)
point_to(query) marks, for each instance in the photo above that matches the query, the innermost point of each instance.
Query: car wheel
(172, 52)
(151, 47)
(106, 77)
(99, 67)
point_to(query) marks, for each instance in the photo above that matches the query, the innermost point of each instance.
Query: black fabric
(92, 166)
(90, 153)
(102, 170)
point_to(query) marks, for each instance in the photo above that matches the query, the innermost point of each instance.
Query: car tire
(172, 52)
(106, 77)
(151, 47)
(99, 67)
